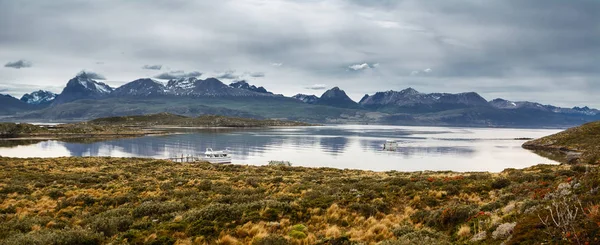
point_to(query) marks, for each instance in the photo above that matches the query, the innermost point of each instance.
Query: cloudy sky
(543, 50)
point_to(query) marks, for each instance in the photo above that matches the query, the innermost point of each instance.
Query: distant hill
(10, 105)
(575, 145)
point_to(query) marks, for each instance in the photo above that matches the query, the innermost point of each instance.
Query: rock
(504, 231)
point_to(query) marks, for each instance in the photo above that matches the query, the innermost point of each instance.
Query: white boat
(390, 145)
(216, 156)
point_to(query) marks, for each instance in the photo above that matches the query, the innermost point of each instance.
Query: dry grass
(117, 201)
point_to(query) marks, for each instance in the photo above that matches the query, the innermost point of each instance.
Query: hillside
(579, 144)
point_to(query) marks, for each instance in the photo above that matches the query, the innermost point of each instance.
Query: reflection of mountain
(436, 150)
(419, 150)
(334, 145)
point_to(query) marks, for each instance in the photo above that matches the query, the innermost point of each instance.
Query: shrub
(297, 234)
(202, 228)
(156, 208)
(403, 230)
(111, 223)
(62, 237)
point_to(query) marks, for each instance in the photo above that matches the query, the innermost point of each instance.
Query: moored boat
(216, 156)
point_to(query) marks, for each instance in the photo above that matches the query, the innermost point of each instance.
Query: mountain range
(85, 98)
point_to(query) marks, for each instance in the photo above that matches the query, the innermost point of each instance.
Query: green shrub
(111, 222)
(155, 209)
(297, 234)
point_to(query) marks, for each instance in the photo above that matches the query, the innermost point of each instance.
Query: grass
(144, 201)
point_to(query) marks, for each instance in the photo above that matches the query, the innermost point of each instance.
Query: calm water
(354, 147)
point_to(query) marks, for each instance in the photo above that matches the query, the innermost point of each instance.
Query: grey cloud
(228, 75)
(93, 75)
(317, 87)
(152, 67)
(177, 74)
(18, 64)
(257, 74)
(505, 43)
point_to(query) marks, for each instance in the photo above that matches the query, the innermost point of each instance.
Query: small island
(132, 126)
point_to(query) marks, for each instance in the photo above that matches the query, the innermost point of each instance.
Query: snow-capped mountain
(208, 87)
(309, 99)
(182, 86)
(410, 98)
(39, 97)
(511, 105)
(244, 85)
(141, 87)
(82, 87)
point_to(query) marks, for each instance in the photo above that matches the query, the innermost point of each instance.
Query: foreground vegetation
(143, 201)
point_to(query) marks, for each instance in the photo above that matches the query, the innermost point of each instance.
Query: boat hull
(216, 160)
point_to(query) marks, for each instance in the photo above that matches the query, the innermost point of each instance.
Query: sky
(545, 51)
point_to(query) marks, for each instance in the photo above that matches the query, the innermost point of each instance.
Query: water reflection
(334, 145)
(359, 147)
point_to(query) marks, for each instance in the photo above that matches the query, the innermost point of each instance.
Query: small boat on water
(390, 145)
(216, 156)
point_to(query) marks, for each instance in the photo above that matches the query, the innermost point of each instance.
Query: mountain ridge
(84, 98)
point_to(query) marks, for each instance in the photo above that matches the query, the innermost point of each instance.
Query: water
(353, 147)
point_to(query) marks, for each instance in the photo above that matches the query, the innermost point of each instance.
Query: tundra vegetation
(145, 201)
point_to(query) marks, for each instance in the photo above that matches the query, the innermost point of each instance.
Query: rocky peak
(309, 99)
(39, 97)
(245, 85)
(337, 98)
(141, 87)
